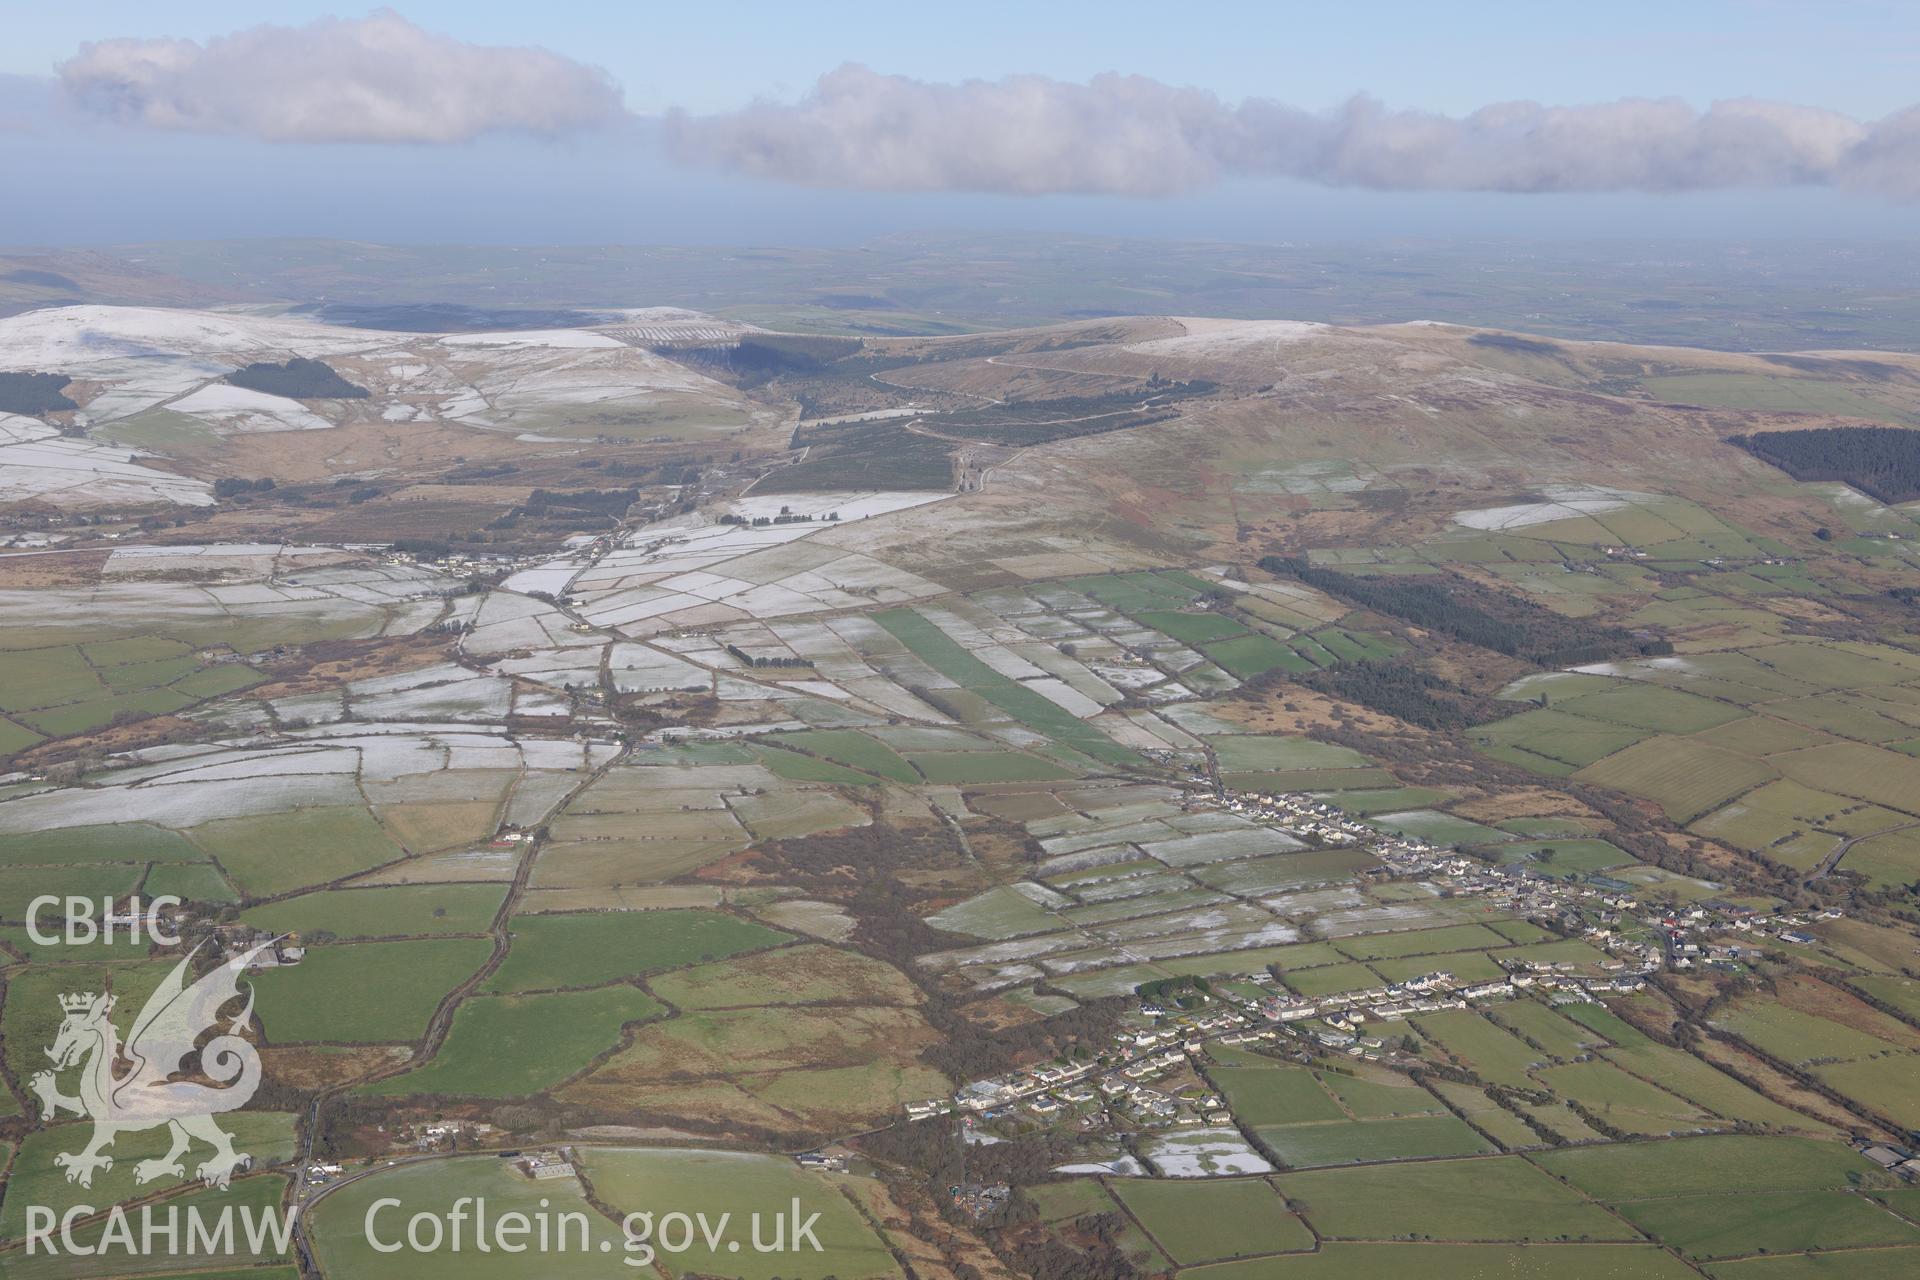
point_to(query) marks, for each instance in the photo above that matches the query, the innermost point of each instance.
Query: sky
(642, 122)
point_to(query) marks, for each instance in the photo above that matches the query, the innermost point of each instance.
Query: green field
(280, 852)
(63, 689)
(508, 1046)
(1889, 1084)
(1459, 1262)
(1436, 828)
(1685, 777)
(667, 1181)
(1623, 1100)
(1764, 391)
(120, 842)
(1263, 1096)
(986, 766)
(344, 1237)
(795, 767)
(1487, 1050)
(550, 952)
(189, 882)
(401, 911)
(1793, 1036)
(1253, 655)
(1707, 1166)
(1496, 1199)
(36, 1180)
(1190, 628)
(1420, 942)
(1247, 752)
(1374, 1099)
(850, 747)
(1853, 1264)
(255, 1198)
(1704, 1227)
(1565, 857)
(1542, 1026)
(1209, 1221)
(946, 655)
(364, 992)
(1306, 1146)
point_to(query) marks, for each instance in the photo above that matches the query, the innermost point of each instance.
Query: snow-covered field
(129, 360)
(183, 787)
(1563, 502)
(37, 462)
(318, 590)
(675, 575)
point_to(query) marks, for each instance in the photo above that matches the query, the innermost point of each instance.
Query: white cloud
(374, 79)
(1129, 135)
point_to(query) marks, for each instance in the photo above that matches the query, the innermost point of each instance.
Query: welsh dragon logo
(144, 1083)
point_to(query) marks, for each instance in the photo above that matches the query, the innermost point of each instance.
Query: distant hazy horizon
(583, 124)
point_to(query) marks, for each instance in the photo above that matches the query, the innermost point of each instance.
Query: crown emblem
(78, 1003)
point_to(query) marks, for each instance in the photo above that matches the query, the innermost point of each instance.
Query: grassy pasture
(1855, 769)
(1682, 776)
(1274, 1095)
(1850, 1264)
(1287, 780)
(1626, 1101)
(1889, 860)
(1305, 1146)
(511, 1046)
(1555, 735)
(795, 767)
(1190, 628)
(1419, 942)
(401, 911)
(1566, 857)
(1779, 394)
(275, 853)
(558, 951)
(1698, 1082)
(190, 882)
(364, 992)
(667, 1180)
(805, 974)
(1465, 1200)
(267, 1136)
(1332, 979)
(1375, 1099)
(1387, 799)
(946, 655)
(1544, 1027)
(248, 1195)
(1491, 1052)
(1002, 912)
(964, 767)
(1708, 1166)
(1459, 1262)
(118, 842)
(19, 886)
(1706, 1227)
(62, 689)
(855, 749)
(1653, 708)
(1794, 1036)
(1890, 1084)
(1210, 1220)
(344, 1247)
(1608, 1023)
(1437, 828)
(1073, 1198)
(1246, 752)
